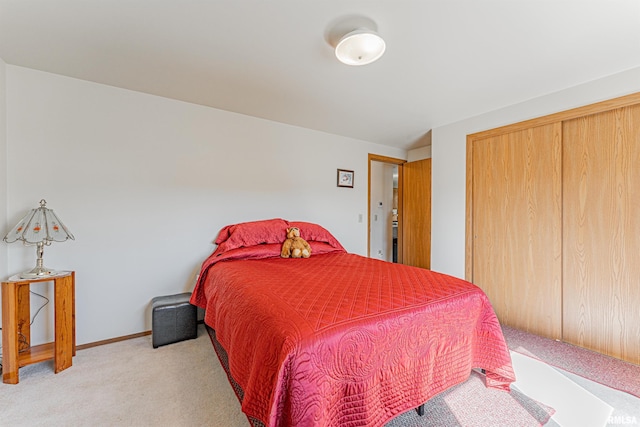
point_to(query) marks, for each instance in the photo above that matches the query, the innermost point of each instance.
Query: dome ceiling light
(360, 47)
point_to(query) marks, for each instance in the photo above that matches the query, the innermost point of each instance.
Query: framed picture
(345, 178)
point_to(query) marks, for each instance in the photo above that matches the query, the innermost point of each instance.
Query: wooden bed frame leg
(420, 410)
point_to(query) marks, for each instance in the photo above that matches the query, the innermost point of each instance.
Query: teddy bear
(295, 246)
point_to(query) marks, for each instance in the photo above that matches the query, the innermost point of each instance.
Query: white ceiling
(446, 60)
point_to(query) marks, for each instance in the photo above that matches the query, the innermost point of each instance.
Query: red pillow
(269, 250)
(318, 248)
(252, 233)
(314, 232)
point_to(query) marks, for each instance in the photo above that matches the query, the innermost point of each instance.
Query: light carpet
(127, 383)
(597, 367)
(574, 406)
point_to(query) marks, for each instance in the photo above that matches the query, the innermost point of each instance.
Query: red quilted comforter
(343, 340)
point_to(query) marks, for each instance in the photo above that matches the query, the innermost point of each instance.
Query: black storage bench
(173, 319)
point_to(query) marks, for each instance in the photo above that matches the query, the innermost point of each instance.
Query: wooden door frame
(399, 163)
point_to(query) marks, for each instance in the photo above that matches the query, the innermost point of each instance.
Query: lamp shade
(360, 47)
(40, 225)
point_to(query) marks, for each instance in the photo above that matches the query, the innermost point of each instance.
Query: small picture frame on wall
(345, 178)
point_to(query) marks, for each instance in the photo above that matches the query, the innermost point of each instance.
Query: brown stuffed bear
(295, 246)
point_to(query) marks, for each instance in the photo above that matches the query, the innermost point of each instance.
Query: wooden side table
(16, 331)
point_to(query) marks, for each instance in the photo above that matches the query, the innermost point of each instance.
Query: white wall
(3, 169)
(145, 183)
(419, 153)
(449, 159)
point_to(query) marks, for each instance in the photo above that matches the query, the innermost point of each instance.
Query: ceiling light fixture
(360, 47)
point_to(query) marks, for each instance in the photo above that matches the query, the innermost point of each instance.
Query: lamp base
(38, 272)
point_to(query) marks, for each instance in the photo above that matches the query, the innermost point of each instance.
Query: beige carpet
(125, 384)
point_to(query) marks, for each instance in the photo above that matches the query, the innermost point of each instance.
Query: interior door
(516, 225)
(416, 213)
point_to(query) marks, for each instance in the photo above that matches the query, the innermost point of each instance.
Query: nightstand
(16, 331)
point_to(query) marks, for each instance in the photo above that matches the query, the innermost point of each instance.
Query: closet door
(601, 284)
(516, 226)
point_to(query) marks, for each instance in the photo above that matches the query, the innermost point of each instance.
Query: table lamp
(39, 227)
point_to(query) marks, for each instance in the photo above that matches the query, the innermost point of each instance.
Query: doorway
(384, 210)
(399, 210)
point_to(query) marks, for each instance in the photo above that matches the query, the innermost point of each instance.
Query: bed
(339, 339)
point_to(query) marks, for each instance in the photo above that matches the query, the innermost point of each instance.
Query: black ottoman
(173, 319)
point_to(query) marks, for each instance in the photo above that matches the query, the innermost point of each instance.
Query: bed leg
(420, 410)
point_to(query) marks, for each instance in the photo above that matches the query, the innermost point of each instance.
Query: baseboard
(112, 340)
(124, 338)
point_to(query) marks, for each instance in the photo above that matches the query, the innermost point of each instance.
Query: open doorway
(400, 206)
(385, 204)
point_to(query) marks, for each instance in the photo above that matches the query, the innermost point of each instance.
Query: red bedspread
(343, 340)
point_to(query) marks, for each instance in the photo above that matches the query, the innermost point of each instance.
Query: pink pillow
(252, 233)
(314, 232)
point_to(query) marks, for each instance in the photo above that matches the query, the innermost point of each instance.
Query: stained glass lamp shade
(39, 227)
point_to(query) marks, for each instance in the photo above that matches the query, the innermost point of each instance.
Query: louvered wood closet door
(517, 219)
(601, 284)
